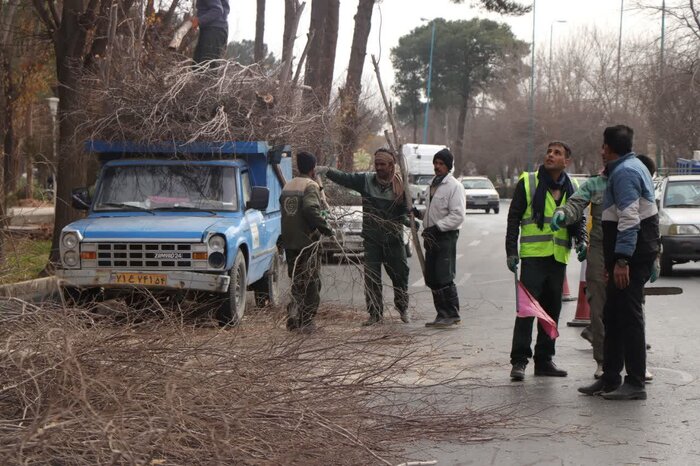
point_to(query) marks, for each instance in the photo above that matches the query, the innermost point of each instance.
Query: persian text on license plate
(143, 279)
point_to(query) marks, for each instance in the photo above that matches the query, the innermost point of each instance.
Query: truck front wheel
(232, 309)
(267, 289)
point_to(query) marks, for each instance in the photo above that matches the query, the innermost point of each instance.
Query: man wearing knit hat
(384, 215)
(443, 218)
(302, 223)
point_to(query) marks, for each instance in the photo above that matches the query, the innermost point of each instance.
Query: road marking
(459, 256)
(475, 242)
(420, 282)
(464, 279)
(484, 233)
(495, 281)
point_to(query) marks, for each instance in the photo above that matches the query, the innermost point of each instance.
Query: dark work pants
(211, 44)
(392, 254)
(440, 271)
(623, 318)
(306, 285)
(544, 278)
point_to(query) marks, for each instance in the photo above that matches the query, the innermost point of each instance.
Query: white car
(480, 193)
(678, 199)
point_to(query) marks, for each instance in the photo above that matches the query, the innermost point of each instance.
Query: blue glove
(655, 269)
(557, 220)
(581, 251)
(512, 263)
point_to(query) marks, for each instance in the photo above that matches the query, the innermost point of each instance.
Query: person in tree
(212, 22)
(384, 215)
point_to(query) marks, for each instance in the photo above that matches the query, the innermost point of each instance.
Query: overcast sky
(392, 19)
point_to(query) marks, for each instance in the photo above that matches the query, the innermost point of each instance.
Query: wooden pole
(396, 147)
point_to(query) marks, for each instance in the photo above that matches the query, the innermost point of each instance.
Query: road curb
(38, 290)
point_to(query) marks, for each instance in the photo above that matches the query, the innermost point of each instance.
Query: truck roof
(205, 148)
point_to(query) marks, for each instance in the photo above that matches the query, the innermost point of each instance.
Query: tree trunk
(349, 95)
(259, 48)
(461, 125)
(292, 14)
(312, 71)
(327, 62)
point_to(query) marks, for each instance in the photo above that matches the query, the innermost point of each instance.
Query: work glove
(655, 270)
(430, 232)
(558, 220)
(321, 170)
(512, 263)
(581, 251)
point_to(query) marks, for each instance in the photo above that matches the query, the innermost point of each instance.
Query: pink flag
(529, 307)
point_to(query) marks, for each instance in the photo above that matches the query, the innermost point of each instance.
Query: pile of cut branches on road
(181, 102)
(80, 387)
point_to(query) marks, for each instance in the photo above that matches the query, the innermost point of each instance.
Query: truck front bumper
(115, 278)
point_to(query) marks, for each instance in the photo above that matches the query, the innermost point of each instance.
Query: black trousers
(440, 271)
(393, 255)
(544, 278)
(623, 318)
(304, 270)
(211, 44)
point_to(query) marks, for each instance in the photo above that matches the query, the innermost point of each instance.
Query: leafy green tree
(505, 7)
(469, 57)
(244, 53)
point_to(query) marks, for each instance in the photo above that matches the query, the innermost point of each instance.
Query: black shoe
(445, 322)
(597, 388)
(549, 369)
(373, 320)
(626, 392)
(292, 323)
(517, 373)
(404, 316)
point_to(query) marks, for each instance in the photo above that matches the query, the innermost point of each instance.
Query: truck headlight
(70, 258)
(70, 240)
(683, 230)
(217, 243)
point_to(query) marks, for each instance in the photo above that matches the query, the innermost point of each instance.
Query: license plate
(142, 279)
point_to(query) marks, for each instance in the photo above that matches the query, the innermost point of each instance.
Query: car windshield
(682, 194)
(338, 195)
(477, 184)
(153, 187)
(424, 179)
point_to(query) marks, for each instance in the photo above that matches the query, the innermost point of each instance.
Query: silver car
(678, 199)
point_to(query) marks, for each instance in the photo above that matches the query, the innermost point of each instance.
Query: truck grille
(158, 256)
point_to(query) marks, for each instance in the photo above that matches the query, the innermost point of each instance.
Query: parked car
(678, 199)
(418, 187)
(480, 193)
(345, 217)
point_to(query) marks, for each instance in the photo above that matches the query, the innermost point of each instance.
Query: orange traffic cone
(583, 310)
(566, 293)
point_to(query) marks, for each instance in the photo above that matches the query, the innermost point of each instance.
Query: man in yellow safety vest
(544, 254)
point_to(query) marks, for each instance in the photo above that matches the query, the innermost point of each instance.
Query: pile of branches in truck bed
(183, 102)
(82, 387)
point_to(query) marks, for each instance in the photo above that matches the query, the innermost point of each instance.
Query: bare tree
(292, 13)
(350, 92)
(323, 28)
(259, 50)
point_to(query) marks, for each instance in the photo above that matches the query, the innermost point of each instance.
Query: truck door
(258, 234)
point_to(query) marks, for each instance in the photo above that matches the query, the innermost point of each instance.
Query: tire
(232, 309)
(666, 266)
(496, 210)
(487, 210)
(267, 289)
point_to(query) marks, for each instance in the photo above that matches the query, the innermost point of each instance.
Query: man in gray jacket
(442, 220)
(212, 21)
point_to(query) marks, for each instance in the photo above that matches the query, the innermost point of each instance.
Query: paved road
(555, 425)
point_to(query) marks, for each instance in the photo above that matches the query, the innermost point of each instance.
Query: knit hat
(446, 156)
(305, 162)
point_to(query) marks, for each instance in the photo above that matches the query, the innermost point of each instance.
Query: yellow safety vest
(542, 243)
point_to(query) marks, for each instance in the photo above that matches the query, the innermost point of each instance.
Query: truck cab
(179, 218)
(419, 161)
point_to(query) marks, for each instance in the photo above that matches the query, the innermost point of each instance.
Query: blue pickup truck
(179, 219)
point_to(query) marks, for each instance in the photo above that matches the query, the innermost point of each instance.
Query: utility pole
(427, 93)
(619, 51)
(659, 153)
(531, 132)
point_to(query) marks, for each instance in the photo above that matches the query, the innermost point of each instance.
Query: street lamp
(531, 131)
(659, 153)
(551, 41)
(53, 108)
(430, 75)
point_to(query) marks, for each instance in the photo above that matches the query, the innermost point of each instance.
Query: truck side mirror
(80, 199)
(259, 198)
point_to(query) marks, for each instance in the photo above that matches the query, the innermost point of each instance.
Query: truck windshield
(191, 187)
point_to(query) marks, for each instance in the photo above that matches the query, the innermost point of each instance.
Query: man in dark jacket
(384, 215)
(212, 21)
(630, 246)
(302, 224)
